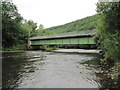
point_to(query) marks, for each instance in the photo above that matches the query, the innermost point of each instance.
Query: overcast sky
(55, 12)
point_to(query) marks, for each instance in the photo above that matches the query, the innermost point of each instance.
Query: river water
(40, 69)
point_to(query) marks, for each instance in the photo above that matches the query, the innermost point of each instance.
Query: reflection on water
(37, 69)
(17, 66)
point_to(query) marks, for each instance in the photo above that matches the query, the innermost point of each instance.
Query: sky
(55, 12)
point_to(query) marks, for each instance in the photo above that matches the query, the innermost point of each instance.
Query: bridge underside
(63, 41)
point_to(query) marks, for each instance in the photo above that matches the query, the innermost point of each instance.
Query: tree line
(87, 23)
(15, 29)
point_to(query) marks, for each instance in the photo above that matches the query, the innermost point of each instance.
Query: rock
(99, 72)
(86, 65)
(80, 72)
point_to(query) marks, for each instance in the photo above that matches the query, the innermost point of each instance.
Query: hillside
(87, 23)
(84, 25)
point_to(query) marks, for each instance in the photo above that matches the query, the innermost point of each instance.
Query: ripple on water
(37, 69)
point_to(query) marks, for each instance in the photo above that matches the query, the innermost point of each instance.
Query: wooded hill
(87, 23)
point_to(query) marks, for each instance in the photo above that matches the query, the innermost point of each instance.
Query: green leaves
(12, 28)
(87, 23)
(108, 30)
(32, 24)
(9, 10)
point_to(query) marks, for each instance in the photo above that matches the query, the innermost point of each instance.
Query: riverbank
(15, 48)
(112, 73)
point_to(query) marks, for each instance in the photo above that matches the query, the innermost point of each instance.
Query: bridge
(63, 40)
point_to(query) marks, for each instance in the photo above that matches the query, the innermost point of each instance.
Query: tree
(108, 30)
(109, 16)
(33, 27)
(14, 30)
(32, 24)
(11, 21)
(41, 27)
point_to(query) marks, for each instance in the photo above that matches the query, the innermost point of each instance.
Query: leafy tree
(109, 16)
(11, 21)
(15, 30)
(41, 26)
(108, 30)
(33, 27)
(25, 31)
(32, 24)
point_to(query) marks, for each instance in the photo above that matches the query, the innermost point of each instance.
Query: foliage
(17, 47)
(87, 23)
(10, 24)
(41, 27)
(14, 32)
(32, 24)
(31, 27)
(43, 32)
(108, 30)
(50, 48)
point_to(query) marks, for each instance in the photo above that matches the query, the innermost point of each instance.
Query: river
(55, 69)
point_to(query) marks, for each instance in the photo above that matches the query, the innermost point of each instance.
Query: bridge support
(41, 47)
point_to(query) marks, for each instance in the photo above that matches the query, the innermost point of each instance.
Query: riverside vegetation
(108, 35)
(16, 31)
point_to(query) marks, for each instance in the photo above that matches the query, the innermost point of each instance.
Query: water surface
(38, 69)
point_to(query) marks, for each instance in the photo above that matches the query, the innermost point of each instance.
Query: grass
(50, 48)
(18, 47)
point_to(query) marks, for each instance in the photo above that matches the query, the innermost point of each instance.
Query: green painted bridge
(62, 40)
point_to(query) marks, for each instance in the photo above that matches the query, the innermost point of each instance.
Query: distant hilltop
(87, 23)
(81, 26)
